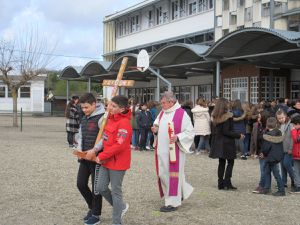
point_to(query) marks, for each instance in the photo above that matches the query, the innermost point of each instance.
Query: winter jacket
(296, 143)
(239, 124)
(292, 112)
(222, 143)
(116, 142)
(286, 132)
(272, 146)
(73, 121)
(256, 139)
(188, 110)
(201, 120)
(144, 120)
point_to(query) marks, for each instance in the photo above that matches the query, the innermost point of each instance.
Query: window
(254, 90)
(192, 8)
(279, 84)
(134, 24)
(165, 17)
(265, 9)
(239, 88)
(295, 90)
(150, 19)
(226, 88)
(182, 6)
(159, 16)
(240, 3)
(203, 5)
(225, 5)
(205, 91)
(175, 10)
(248, 14)
(2, 91)
(121, 29)
(185, 93)
(24, 92)
(232, 20)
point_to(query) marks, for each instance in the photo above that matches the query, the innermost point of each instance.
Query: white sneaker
(125, 210)
(147, 147)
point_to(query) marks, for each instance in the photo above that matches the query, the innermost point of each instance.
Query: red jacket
(116, 142)
(296, 144)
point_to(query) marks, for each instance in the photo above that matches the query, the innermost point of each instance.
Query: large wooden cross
(115, 84)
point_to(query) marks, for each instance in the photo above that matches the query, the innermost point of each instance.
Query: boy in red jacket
(115, 157)
(295, 133)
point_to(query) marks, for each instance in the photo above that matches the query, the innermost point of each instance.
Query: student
(296, 152)
(272, 151)
(223, 143)
(287, 161)
(115, 157)
(73, 121)
(144, 122)
(88, 132)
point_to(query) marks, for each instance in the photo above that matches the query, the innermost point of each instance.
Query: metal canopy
(257, 46)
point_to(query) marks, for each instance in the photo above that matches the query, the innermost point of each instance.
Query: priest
(174, 136)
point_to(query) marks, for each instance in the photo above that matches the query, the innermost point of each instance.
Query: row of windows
(24, 92)
(237, 88)
(159, 15)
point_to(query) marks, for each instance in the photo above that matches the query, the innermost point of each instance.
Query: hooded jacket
(116, 142)
(223, 144)
(201, 120)
(272, 146)
(296, 144)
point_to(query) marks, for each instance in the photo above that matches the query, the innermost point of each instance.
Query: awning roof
(258, 46)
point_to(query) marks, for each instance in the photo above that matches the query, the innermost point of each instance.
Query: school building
(245, 49)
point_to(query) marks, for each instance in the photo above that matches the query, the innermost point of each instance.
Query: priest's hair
(169, 96)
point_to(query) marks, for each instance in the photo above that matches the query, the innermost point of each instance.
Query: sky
(69, 27)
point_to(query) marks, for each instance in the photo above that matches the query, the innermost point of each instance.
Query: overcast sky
(73, 26)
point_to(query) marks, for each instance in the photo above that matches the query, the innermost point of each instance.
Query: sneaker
(257, 190)
(93, 220)
(243, 157)
(279, 193)
(264, 191)
(197, 153)
(88, 215)
(124, 211)
(295, 190)
(147, 147)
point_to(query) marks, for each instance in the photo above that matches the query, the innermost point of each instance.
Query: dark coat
(239, 121)
(144, 120)
(188, 110)
(272, 146)
(222, 143)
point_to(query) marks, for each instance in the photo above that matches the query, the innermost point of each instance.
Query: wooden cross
(115, 84)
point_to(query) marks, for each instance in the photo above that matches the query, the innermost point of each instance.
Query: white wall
(183, 26)
(33, 104)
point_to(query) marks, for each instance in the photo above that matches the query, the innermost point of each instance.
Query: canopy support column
(218, 78)
(68, 90)
(89, 84)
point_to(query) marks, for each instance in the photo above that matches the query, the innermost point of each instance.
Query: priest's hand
(154, 129)
(173, 139)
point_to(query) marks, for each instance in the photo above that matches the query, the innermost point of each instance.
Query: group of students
(274, 139)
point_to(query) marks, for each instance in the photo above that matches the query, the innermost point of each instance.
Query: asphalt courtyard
(38, 185)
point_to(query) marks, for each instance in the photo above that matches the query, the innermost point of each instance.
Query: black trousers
(94, 202)
(143, 137)
(221, 169)
(70, 137)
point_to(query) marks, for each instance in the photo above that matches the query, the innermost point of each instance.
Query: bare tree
(26, 56)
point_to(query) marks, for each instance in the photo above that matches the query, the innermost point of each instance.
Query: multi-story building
(152, 24)
(240, 81)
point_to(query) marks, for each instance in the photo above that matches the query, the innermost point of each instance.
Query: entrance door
(239, 89)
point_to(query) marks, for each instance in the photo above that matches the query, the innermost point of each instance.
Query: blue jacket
(239, 121)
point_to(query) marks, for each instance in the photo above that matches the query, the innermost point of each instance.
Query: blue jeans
(272, 167)
(246, 143)
(135, 137)
(203, 143)
(262, 167)
(287, 167)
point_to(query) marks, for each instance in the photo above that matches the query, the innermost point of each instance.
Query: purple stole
(173, 167)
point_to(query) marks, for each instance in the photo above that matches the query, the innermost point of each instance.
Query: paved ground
(38, 185)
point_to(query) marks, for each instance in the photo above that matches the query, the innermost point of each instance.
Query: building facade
(153, 24)
(30, 97)
(251, 83)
